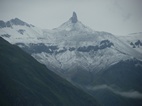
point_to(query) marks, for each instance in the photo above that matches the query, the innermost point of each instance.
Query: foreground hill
(25, 82)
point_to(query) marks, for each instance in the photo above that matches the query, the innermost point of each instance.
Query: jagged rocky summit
(74, 18)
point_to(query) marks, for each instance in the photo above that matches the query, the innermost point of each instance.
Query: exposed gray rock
(74, 18)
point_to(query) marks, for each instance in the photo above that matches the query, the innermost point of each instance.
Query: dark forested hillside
(26, 82)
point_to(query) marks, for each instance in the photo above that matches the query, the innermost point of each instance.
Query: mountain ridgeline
(26, 82)
(106, 66)
(12, 22)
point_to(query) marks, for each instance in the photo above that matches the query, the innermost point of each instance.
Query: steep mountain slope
(87, 58)
(25, 82)
(121, 83)
(134, 40)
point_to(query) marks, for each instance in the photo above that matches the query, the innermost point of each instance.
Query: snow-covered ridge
(12, 22)
(134, 40)
(69, 46)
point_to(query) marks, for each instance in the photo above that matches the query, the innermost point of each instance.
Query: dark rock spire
(74, 18)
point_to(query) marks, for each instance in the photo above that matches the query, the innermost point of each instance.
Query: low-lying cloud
(128, 94)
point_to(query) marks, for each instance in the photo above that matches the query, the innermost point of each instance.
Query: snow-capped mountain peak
(69, 46)
(16, 30)
(74, 18)
(13, 22)
(17, 21)
(73, 24)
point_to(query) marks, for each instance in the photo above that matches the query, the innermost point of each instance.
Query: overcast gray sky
(119, 17)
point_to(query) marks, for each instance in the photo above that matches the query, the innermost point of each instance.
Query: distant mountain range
(83, 56)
